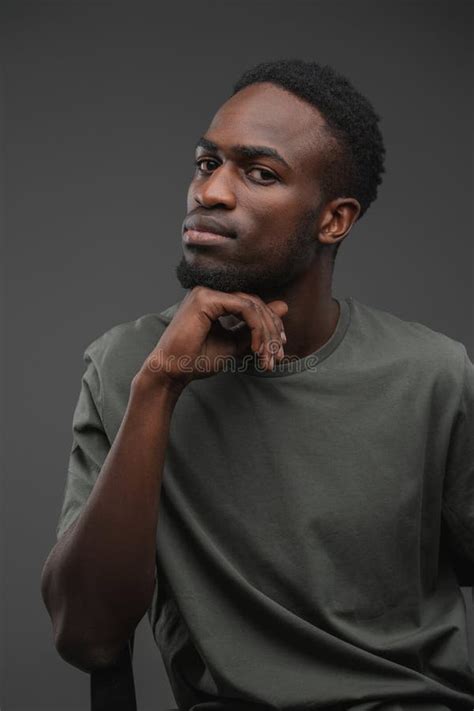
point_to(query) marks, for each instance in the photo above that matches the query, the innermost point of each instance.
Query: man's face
(270, 207)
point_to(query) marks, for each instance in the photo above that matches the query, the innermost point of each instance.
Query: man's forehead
(264, 114)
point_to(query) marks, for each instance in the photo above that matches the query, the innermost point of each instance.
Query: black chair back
(113, 689)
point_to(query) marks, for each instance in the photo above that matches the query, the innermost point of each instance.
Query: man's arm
(98, 580)
(458, 490)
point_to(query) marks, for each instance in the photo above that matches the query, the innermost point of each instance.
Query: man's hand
(196, 332)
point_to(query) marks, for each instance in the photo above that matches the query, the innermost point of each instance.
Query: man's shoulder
(408, 340)
(128, 342)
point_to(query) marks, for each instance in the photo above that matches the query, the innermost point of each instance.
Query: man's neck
(312, 314)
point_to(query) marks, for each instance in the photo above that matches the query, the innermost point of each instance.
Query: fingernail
(272, 361)
(283, 337)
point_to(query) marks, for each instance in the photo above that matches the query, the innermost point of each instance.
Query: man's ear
(337, 218)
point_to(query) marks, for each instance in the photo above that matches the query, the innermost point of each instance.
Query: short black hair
(357, 167)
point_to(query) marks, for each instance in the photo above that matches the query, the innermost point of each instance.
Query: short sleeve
(90, 446)
(458, 490)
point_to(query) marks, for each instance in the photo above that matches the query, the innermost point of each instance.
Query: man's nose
(216, 189)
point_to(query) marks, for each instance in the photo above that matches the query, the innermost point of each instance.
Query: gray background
(104, 102)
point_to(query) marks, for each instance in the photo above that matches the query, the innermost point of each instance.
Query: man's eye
(269, 175)
(266, 175)
(200, 161)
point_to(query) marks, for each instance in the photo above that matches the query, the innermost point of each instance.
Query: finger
(211, 308)
(279, 326)
(280, 309)
(265, 331)
(264, 350)
(272, 347)
(276, 327)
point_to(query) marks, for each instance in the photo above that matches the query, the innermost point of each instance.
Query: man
(296, 528)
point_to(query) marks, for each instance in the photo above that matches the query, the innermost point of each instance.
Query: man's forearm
(98, 580)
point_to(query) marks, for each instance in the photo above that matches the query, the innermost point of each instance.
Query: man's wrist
(147, 380)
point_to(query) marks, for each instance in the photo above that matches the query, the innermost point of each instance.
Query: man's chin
(190, 276)
(230, 278)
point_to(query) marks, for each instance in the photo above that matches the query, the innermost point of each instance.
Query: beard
(264, 278)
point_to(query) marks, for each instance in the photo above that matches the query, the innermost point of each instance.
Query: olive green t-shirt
(315, 522)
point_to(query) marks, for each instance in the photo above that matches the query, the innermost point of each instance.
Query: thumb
(279, 307)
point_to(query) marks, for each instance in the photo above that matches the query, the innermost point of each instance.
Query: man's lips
(200, 237)
(208, 224)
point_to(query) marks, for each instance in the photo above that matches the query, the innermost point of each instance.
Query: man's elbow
(88, 659)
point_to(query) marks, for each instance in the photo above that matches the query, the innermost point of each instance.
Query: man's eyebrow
(244, 151)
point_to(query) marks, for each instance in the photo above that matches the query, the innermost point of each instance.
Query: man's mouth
(200, 237)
